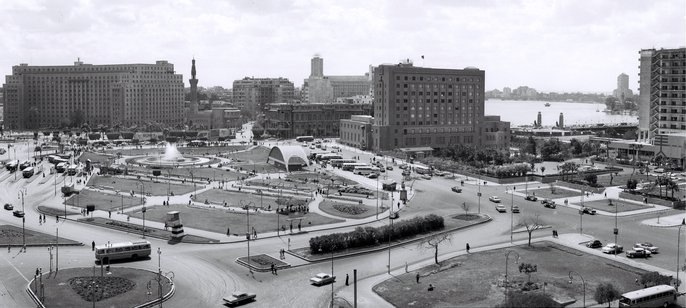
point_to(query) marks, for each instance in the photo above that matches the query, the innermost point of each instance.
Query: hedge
(370, 236)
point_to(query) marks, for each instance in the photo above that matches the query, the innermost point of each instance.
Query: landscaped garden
(346, 209)
(234, 199)
(545, 191)
(127, 185)
(103, 201)
(13, 236)
(617, 205)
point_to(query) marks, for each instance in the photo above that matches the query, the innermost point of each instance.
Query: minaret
(561, 122)
(194, 91)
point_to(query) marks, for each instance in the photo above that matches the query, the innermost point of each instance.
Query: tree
(433, 241)
(655, 278)
(531, 146)
(671, 186)
(529, 299)
(528, 269)
(465, 207)
(631, 184)
(592, 179)
(76, 118)
(531, 223)
(606, 293)
(543, 169)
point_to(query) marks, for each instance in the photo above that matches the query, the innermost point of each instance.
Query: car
(494, 199)
(426, 177)
(239, 297)
(322, 279)
(18, 213)
(515, 208)
(531, 198)
(587, 210)
(456, 189)
(637, 253)
(406, 172)
(612, 248)
(548, 203)
(594, 244)
(9, 207)
(440, 173)
(404, 166)
(389, 168)
(647, 246)
(500, 208)
(373, 176)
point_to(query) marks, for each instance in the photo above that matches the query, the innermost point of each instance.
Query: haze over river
(520, 113)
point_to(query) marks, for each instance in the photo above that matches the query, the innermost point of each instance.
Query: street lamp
(247, 227)
(582, 281)
(143, 210)
(333, 248)
(390, 219)
(678, 243)
(512, 213)
(159, 274)
(478, 183)
(22, 192)
(377, 198)
(507, 256)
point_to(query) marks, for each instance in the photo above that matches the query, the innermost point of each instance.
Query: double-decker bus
(124, 250)
(351, 166)
(304, 138)
(657, 296)
(337, 163)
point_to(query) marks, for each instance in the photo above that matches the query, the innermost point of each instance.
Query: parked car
(404, 166)
(389, 168)
(9, 207)
(515, 208)
(322, 279)
(594, 244)
(373, 176)
(587, 210)
(647, 246)
(612, 248)
(531, 198)
(18, 213)
(548, 203)
(456, 189)
(637, 253)
(239, 297)
(406, 172)
(500, 208)
(494, 199)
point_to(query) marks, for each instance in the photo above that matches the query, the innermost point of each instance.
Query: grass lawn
(544, 192)
(149, 231)
(218, 219)
(262, 262)
(59, 292)
(103, 201)
(95, 158)
(621, 179)
(477, 279)
(618, 205)
(233, 199)
(11, 235)
(51, 211)
(347, 209)
(125, 185)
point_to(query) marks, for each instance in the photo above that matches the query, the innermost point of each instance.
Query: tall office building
(317, 67)
(124, 94)
(328, 89)
(416, 107)
(255, 94)
(662, 92)
(623, 92)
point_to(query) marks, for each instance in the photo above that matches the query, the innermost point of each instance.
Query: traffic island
(149, 231)
(262, 263)
(14, 237)
(83, 287)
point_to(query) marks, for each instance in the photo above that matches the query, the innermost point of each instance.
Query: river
(520, 113)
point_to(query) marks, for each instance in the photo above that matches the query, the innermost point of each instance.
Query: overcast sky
(549, 45)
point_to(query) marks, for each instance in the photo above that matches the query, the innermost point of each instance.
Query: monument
(174, 222)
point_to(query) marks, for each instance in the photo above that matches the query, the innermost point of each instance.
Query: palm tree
(672, 186)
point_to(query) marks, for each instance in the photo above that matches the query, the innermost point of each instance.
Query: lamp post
(247, 227)
(512, 213)
(507, 286)
(582, 281)
(143, 210)
(390, 219)
(678, 244)
(478, 184)
(159, 274)
(22, 192)
(377, 197)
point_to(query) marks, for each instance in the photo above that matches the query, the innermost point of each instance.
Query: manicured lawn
(233, 199)
(618, 205)
(347, 209)
(218, 219)
(11, 235)
(125, 185)
(262, 262)
(138, 229)
(477, 279)
(60, 293)
(621, 179)
(103, 201)
(544, 192)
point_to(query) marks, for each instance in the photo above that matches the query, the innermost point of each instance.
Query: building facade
(428, 107)
(662, 92)
(623, 92)
(495, 133)
(124, 94)
(319, 120)
(328, 89)
(255, 94)
(356, 131)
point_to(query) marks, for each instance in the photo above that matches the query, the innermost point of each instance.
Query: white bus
(351, 166)
(71, 170)
(422, 170)
(657, 296)
(61, 167)
(330, 156)
(363, 170)
(124, 250)
(337, 163)
(304, 138)
(28, 172)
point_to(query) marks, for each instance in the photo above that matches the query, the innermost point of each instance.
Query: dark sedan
(594, 244)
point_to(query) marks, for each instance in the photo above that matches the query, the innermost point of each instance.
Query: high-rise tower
(317, 67)
(194, 90)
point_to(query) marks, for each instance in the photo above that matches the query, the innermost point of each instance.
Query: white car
(239, 297)
(612, 248)
(647, 246)
(494, 199)
(322, 278)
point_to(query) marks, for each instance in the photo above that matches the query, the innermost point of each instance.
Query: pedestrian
(57, 218)
(272, 268)
(347, 277)
(431, 287)
(605, 194)
(228, 231)
(40, 220)
(93, 246)
(109, 213)
(417, 276)
(467, 247)
(299, 227)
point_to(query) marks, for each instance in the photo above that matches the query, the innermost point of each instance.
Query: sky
(550, 45)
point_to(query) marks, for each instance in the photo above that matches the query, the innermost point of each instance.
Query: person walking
(347, 278)
(467, 247)
(93, 246)
(417, 276)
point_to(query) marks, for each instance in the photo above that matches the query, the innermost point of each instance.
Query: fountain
(170, 158)
(171, 153)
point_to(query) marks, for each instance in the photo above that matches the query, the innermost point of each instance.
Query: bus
(337, 163)
(61, 167)
(27, 172)
(657, 296)
(363, 170)
(422, 170)
(389, 185)
(329, 156)
(71, 170)
(123, 250)
(304, 138)
(351, 166)
(12, 166)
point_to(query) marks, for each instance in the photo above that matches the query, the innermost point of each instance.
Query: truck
(239, 297)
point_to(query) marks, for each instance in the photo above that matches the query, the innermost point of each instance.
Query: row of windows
(442, 78)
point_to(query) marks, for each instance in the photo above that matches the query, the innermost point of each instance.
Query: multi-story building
(255, 94)
(356, 131)
(416, 107)
(125, 94)
(495, 133)
(319, 120)
(327, 89)
(623, 92)
(662, 92)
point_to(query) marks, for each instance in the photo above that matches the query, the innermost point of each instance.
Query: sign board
(478, 194)
(616, 231)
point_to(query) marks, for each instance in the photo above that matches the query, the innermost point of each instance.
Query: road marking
(15, 268)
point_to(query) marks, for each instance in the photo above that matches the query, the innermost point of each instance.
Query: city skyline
(560, 46)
